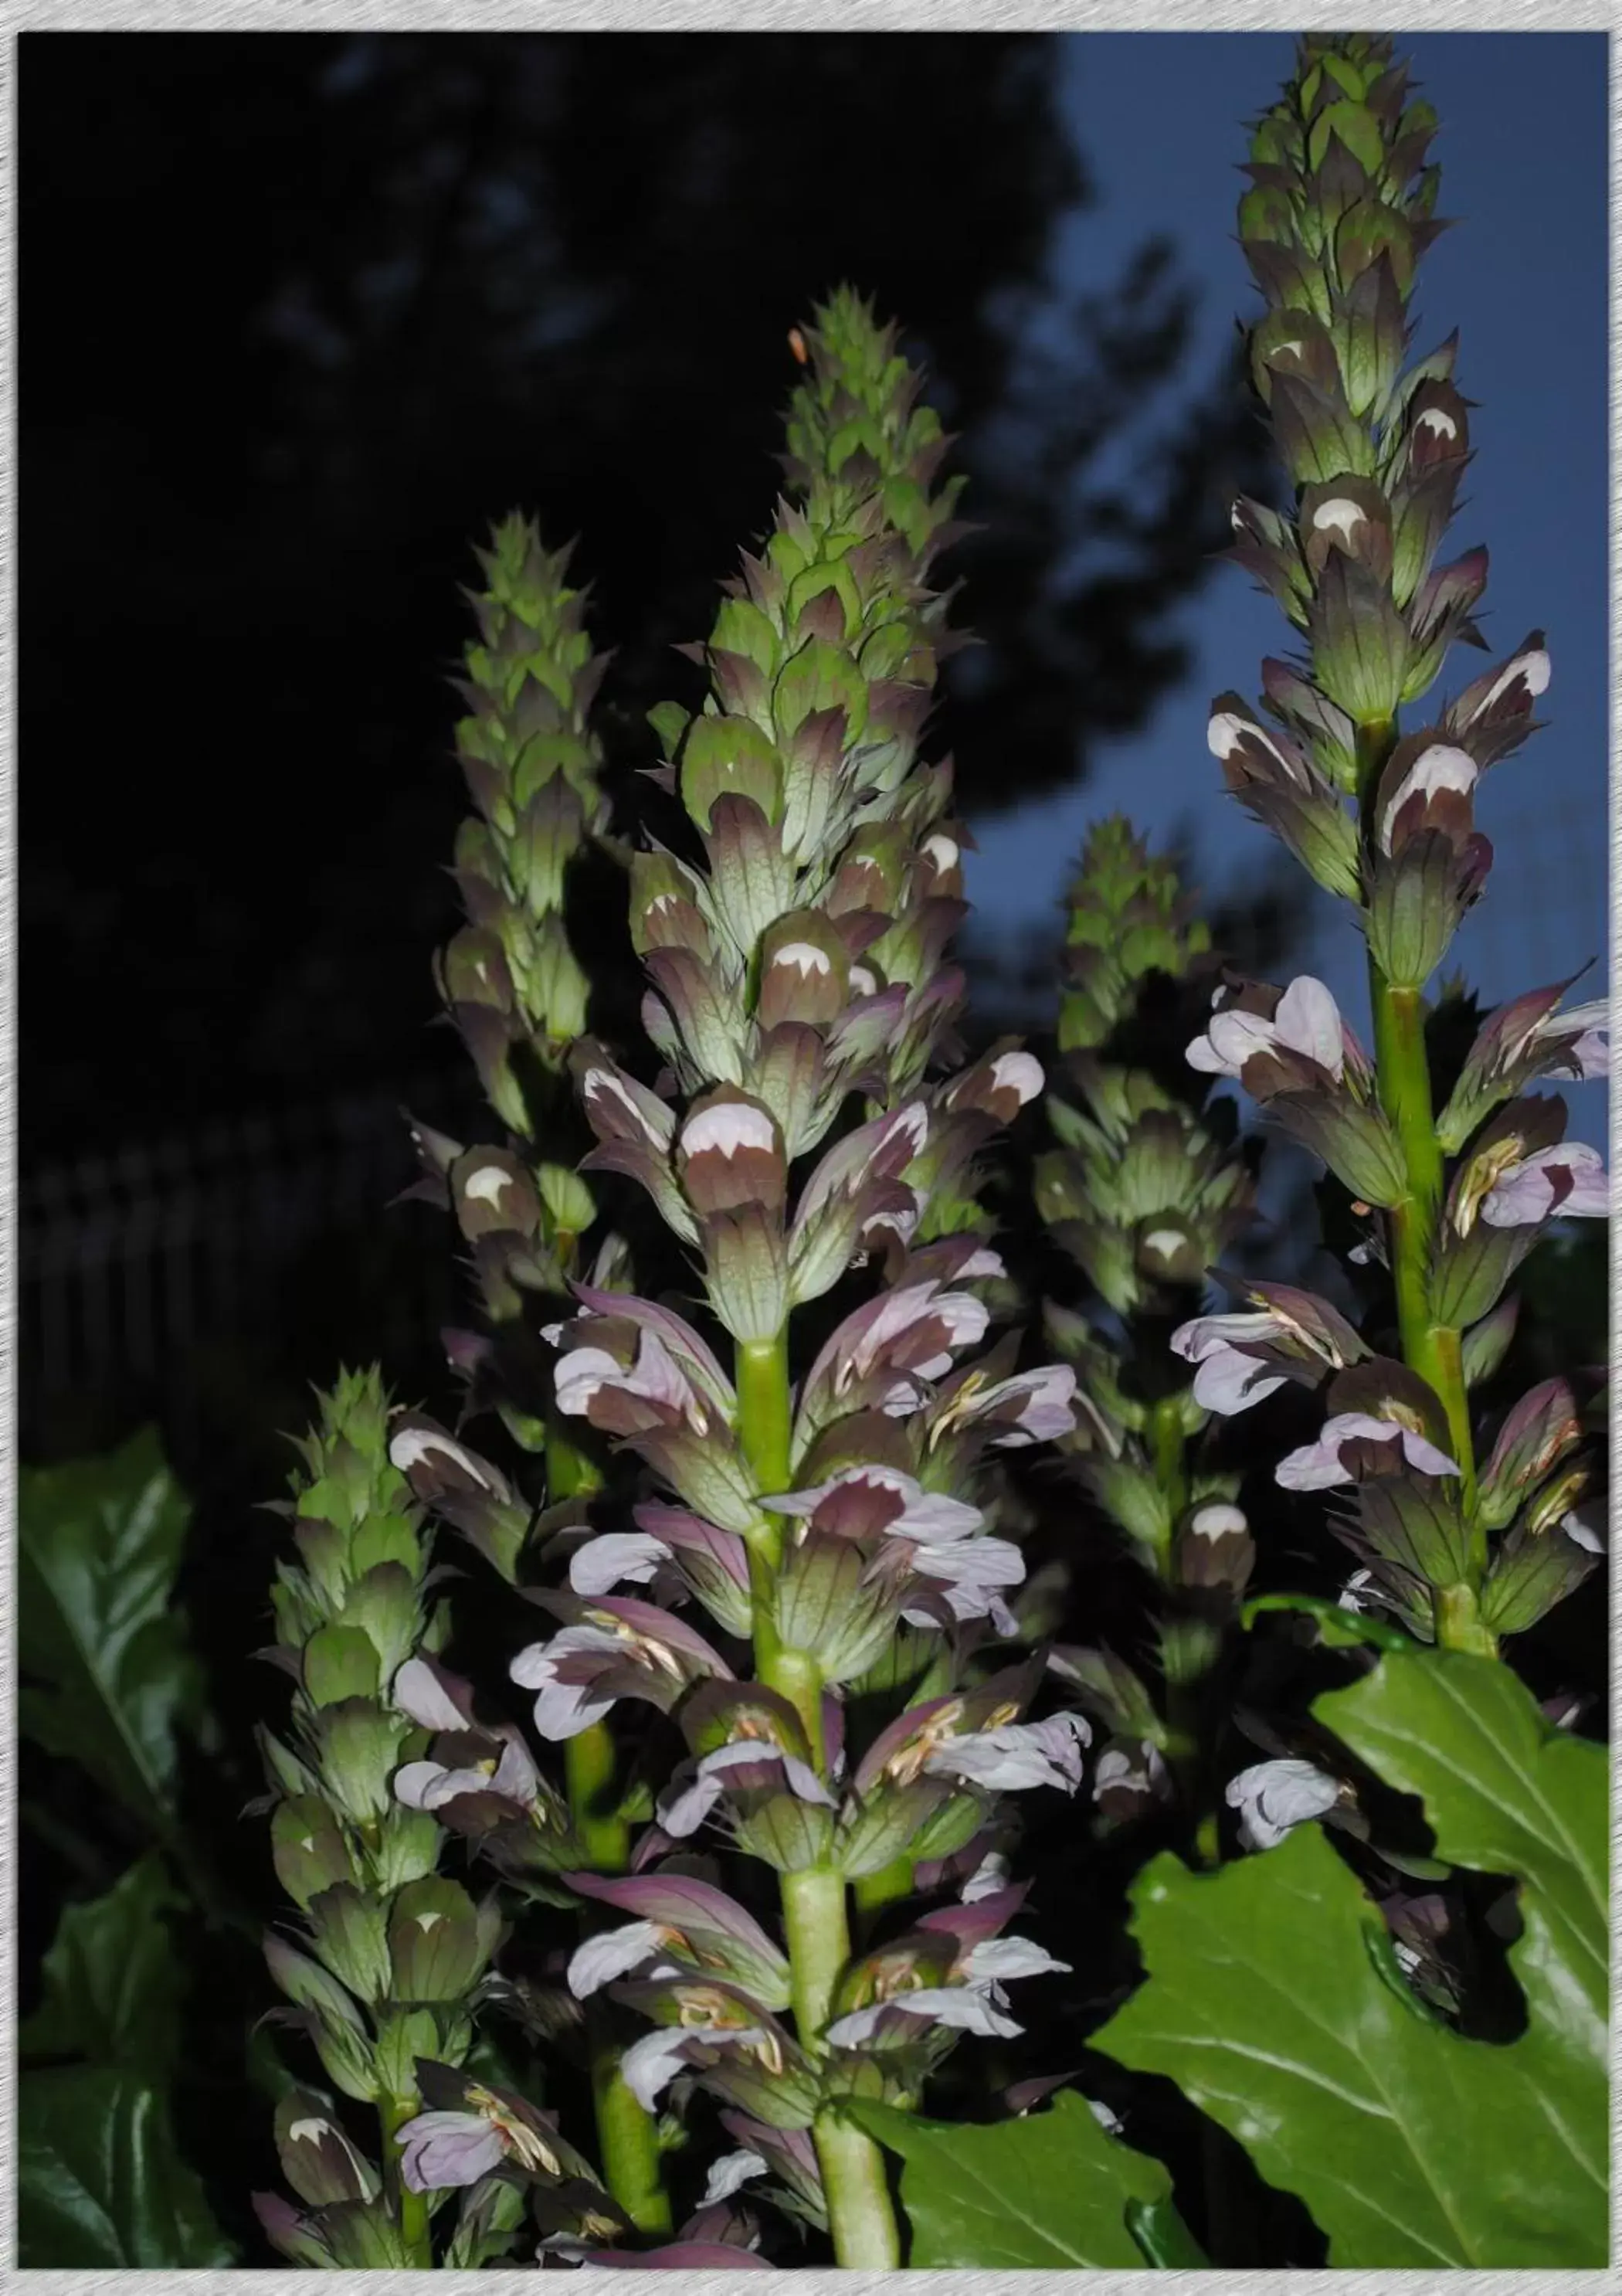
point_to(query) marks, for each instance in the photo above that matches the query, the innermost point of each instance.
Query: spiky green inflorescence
(800, 980)
(510, 979)
(1342, 208)
(1142, 1194)
(360, 1866)
(513, 984)
(1146, 1195)
(824, 658)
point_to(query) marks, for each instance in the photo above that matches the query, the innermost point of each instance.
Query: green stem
(1429, 1348)
(589, 1767)
(819, 1944)
(627, 2138)
(411, 2208)
(860, 2215)
(628, 2143)
(817, 1921)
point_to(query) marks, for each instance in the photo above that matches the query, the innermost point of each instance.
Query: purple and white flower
(1273, 1797)
(617, 1558)
(976, 2003)
(731, 2173)
(655, 1376)
(651, 2064)
(441, 2150)
(860, 1502)
(565, 1672)
(614, 1954)
(431, 1785)
(1228, 1380)
(689, 1802)
(1307, 1022)
(1439, 766)
(1018, 1756)
(616, 1647)
(1567, 1182)
(1318, 1467)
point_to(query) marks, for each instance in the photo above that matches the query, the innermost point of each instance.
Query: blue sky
(1524, 277)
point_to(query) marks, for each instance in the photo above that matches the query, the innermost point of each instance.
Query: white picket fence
(129, 1266)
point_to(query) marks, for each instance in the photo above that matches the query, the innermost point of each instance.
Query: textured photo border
(18, 17)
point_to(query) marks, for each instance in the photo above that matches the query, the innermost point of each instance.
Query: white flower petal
(730, 2173)
(651, 2064)
(1273, 1797)
(614, 1558)
(419, 1692)
(997, 1961)
(611, 1954)
(1309, 1021)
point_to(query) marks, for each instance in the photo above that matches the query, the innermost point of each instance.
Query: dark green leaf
(99, 2181)
(112, 1978)
(1053, 2189)
(1412, 2146)
(106, 1673)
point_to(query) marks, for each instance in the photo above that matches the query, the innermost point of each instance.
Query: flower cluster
(512, 982)
(832, 1530)
(390, 1952)
(1339, 209)
(1148, 1191)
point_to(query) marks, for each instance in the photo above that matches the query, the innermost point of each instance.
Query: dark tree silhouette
(304, 313)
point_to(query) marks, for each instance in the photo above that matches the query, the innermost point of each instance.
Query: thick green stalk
(860, 2214)
(627, 2140)
(817, 1921)
(1431, 1349)
(411, 2208)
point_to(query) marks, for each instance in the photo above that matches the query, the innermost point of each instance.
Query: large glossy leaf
(1273, 2001)
(112, 1980)
(99, 2181)
(1053, 2189)
(106, 1673)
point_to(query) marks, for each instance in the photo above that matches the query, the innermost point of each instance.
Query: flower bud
(317, 2158)
(1539, 1433)
(1215, 1549)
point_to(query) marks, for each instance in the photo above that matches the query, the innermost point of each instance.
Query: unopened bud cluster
(1147, 1193)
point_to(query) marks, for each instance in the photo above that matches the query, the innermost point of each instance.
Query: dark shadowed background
(303, 313)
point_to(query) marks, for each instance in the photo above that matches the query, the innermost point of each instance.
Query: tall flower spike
(799, 980)
(1147, 1194)
(1340, 209)
(512, 983)
(384, 1968)
(517, 991)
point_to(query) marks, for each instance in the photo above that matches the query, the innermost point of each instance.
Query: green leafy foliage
(1273, 1999)
(100, 2181)
(107, 1678)
(112, 1980)
(1053, 2189)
